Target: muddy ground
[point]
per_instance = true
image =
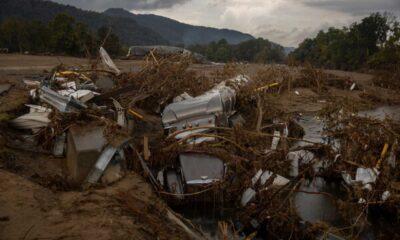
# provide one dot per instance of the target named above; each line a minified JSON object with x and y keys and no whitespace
{"x":34,"y":206}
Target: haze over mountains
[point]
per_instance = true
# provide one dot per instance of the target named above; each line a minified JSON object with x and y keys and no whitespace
{"x":132,"y":29}
{"x":177,"y":33}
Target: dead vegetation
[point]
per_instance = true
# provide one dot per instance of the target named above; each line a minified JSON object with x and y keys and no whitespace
{"x":159,"y":81}
{"x":245,"y":149}
{"x":367,"y":151}
{"x":388,"y":79}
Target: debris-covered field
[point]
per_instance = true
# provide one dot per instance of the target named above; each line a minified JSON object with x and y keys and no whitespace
{"x":107,"y":149}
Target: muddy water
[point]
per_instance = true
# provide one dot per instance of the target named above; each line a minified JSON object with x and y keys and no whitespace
{"x":313,"y":125}
{"x":315,"y":208}
{"x":382,"y":112}
{"x":322,"y":208}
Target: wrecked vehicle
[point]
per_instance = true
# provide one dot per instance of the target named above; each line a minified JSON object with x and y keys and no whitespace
{"x":199,"y":115}
{"x":196,"y":172}
{"x":214,"y":108}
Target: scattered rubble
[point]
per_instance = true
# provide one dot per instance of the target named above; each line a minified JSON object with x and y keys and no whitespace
{"x":218,"y":138}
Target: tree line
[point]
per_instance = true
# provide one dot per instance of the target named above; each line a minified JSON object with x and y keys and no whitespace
{"x":372,"y":43}
{"x":254,"y":50}
{"x":62,"y":35}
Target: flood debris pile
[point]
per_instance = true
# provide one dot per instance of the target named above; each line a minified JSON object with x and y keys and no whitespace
{"x":366,"y":151}
{"x":364,"y":141}
{"x":64,"y":120}
{"x":388,"y":79}
{"x":320,"y":81}
{"x":237,"y":154}
{"x":216,"y":138}
{"x":161,"y":80}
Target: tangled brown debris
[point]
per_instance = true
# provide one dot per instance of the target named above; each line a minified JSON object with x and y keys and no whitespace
{"x":364,"y":143}
{"x":388,"y":79}
{"x":250,"y":150}
{"x":159,"y":81}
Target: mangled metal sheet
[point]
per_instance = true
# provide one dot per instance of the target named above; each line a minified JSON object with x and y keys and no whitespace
{"x":121,"y":118}
{"x":107,"y":61}
{"x":275,"y":140}
{"x":256,"y":177}
{"x":248,"y":195}
{"x":205,"y":110}
{"x":84,"y":95}
{"x":364,"y":176}
{"x":214,"y":108}
{"x":278,"y":180}
{"x":37,"y":108}
{"x":106,"y":163}
{"x":31,"y":83}
{"x":85,"y":144}
{"x":32,"y":120}
{"x":199,"y":168}
{"x":101,"y":164}
{"x":262,"y":177}
{"x":61,"y":103}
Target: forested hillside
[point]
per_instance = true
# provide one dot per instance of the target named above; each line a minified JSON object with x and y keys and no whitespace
{"x":372,"y":43}
{"x":44,"y":11}
{"x":130,"y":28}
{"x":254,"y":50}
{"x":61,"y":35}
{"x":180,"y":33}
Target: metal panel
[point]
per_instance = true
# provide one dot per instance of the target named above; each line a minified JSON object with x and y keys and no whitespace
{"x":61,"y":103}
{"x":85,"y":145}
{"x":199,"y":168}
{"x":219,"y":101}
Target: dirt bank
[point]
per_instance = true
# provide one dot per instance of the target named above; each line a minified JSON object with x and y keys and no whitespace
{"x":126,"y":210}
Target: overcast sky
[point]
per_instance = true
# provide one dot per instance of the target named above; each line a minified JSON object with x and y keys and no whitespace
{"x":287,"y":22}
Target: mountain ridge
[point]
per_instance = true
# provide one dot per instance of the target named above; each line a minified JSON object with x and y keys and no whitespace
{"x":128,"y":31}
{"x":132,"y":29}
{"x":181,"y":33}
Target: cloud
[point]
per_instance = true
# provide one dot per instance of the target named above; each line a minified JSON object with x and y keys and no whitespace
{"x":286,"y":22}
{"x":101,"y":5}
{"x":289,"y":37}
{"x":356,"y":7}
